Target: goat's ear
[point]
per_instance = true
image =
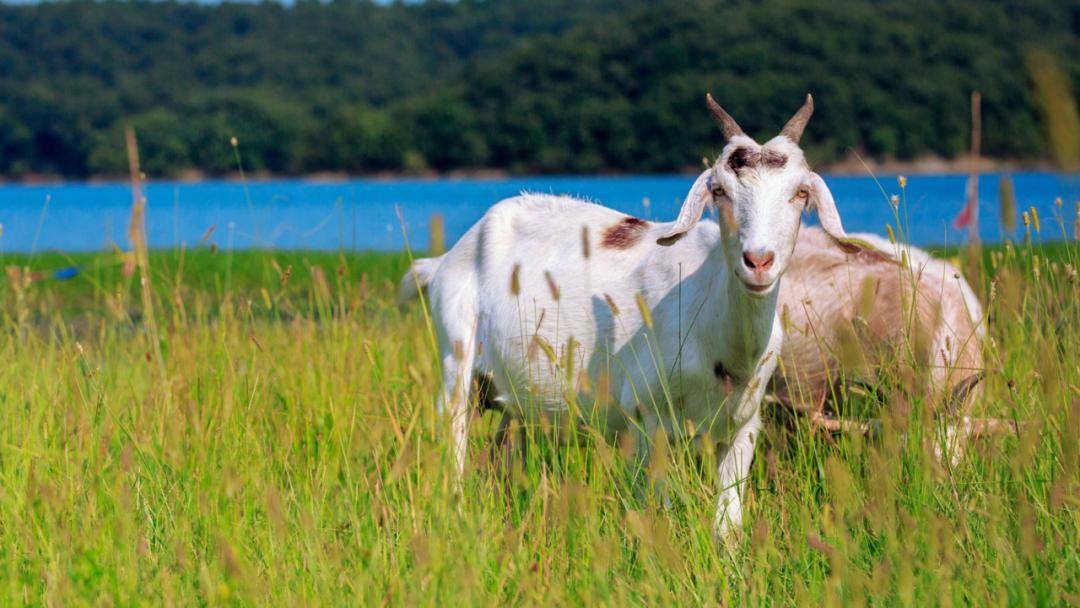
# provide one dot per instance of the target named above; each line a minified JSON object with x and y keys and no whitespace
{"x":692,"y":208}
{"x":821,"y":198}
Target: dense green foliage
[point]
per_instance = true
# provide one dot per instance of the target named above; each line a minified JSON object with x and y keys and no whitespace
{"x":523,"y":85}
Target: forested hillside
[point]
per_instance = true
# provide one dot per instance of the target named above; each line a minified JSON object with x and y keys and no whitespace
{"x":538,"y":85}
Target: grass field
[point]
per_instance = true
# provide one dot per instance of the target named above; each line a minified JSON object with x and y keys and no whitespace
{"x":266,"y":435}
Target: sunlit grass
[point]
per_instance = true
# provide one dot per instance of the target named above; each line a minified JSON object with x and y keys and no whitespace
{"x":288,"y":452}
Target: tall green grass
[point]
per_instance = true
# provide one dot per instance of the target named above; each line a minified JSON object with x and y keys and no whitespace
{"x":287,"y":452}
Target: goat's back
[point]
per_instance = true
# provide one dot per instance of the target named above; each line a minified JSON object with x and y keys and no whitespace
{"x":539,"y":274}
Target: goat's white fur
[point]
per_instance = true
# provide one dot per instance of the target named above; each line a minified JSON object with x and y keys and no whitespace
{"x":709,"y":310}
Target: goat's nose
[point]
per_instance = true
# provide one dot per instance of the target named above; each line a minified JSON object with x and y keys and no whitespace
{"x":759,"y":260}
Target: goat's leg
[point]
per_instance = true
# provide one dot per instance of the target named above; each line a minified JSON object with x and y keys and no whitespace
{"x":645,"y":433}
{"x":733,"y":470}
{"x":501,"y":432}
{"x":502,"y":448}
{"x":642,"y":428}
{"x":957,"y":429}
{"x":454,"y":398}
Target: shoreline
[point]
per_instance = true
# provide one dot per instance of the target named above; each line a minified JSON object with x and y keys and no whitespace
{"x":852,"y":166}
{"x":55,"y":259}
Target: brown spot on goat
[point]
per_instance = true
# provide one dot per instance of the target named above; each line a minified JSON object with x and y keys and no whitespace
{"x":745,"y":157}
{"x":625,"y":234}
{"x":773,"y":159}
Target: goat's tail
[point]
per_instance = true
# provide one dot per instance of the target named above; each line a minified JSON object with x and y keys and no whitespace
{"x":417,"y":278}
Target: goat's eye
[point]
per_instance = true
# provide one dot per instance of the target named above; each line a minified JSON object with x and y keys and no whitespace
{"x":717,"y":192}
{"x":801,"y":195}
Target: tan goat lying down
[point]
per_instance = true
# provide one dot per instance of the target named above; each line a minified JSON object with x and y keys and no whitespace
{"x":853,"y":311}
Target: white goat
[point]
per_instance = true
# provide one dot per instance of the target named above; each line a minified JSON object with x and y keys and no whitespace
{"x":868,"y":308}
{"x":673,"y":325}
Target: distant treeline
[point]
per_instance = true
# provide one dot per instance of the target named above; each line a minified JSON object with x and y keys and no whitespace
{"x":521,"y":85}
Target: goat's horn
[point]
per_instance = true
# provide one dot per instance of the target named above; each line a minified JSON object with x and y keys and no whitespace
{"x":724,"y":120}
{"x":794,"y":127}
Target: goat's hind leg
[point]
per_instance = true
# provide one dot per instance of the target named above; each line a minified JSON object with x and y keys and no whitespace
{"x":955,"y":430}
{"x":457,"y":371}
{"x":510,"y":430}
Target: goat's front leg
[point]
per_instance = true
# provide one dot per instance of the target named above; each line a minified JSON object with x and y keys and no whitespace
{"x":733,"y":471}
{"x":644,"y":433}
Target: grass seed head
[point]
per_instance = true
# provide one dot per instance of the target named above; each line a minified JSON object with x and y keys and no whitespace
{"x":515,"y":281}
{"x":643,"y":308}
{"x":611,"y":304}
{"x":546,"y":347}
{"x":552,"y":287}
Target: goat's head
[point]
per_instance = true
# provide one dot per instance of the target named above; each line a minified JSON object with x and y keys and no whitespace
{"x":759,"y":191}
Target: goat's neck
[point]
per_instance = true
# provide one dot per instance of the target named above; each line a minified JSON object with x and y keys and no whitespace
{"x":759,"y":314}
{"x":742,"y":324}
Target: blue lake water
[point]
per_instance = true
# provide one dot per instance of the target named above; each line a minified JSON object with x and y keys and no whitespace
{"x":364,"y":214}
